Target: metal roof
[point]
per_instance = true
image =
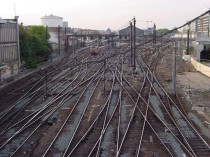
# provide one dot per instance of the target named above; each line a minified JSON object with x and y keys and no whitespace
{"x":4,"y":21}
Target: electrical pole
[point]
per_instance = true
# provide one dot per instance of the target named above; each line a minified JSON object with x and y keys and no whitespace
{"x":59,"y":40}
{"x":174,"y":69}
{"x":112,"y":42}
{"x":108,"y":43}
{"x":188,"y":41}
{"x":46,"y":38}
{"x":154,"y":35}
{"x":74,"y":45}
{"x":46,"y":34}
{"x":208,"y":31}
{"x":131,"y":39}
{"x":67,"y":43}
{"x":104,"y":76}
{"x":65,"y":40}
{"x":134,"y":38}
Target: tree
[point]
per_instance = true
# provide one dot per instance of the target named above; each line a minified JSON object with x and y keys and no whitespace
{"x":39,"y":43}
{"x":162,"y":31}
{"x":34,"y":46}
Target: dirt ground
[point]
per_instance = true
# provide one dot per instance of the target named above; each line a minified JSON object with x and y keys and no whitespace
{"x":195,"y":89}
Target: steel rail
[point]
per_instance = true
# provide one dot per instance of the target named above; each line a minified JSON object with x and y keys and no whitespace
{"x":179,"y":110}
{"x":50,"y":113}
{"x":185,"y":140}
{"x":171,"y":117}
{"x":86,"y":133}
{"x":41,"y":110}
{"x":156,"y":116}
{"x":104,"y":124}
{"x":88,"y":102}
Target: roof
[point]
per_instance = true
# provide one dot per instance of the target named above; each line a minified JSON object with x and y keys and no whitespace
{"x":51,"y":16}
{"x":4,"y":21}
{"x":127,"y":29}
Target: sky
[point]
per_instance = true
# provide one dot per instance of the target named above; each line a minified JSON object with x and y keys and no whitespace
{"x":103,"y":14}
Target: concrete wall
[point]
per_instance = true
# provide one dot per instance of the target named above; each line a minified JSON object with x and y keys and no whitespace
{"x":200,"y":67}
{"x":198,"y":49}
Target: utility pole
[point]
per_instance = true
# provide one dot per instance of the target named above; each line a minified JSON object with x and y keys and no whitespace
{"x":134,"y":49}
{"x":46,"y":38}
{"x":59,"y":40}
{"x":67,"y":43}
{"x":131,"y":36}
{"x":65,"y":40}
{"x":104,"y":76}
{"x":188,"y":41}
{"x":74,"y":45}
{"x":208,"y":31}
{"x":46,"y":34}
{"x":112,"y":42}
{"x":154,"y":35}
{"x":174,"y":69}
{"x":108,"y":43}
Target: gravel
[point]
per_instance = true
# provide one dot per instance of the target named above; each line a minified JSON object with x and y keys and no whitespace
{"x":66,"y":136}
{"x":22,"y":103}
{"x":183,"y":125}
{"x":14,"y":144}
{"x":158,"y":89}
{"x":107,"y":141}
{"x":125,"y":115}
{"x":156,"y":106}
{"x":199,"y":123}
{"x":168,"y":139}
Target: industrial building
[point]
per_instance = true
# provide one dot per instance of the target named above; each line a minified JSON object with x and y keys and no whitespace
{"x":57,"y":29}
{"x":125,"y":33}
{"x":52,"y":21}
{"x":9,"y":48}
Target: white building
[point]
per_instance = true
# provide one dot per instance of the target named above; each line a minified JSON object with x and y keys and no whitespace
{"x":52,"y":21}
{"x":56,"y":30}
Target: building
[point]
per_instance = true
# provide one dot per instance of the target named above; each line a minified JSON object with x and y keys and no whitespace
{"x":56,"y":28}
{"x":52,"y":21}
{"x":148,"y":31}
{"x":125,"y":33}
{"x":203,"y":24}
{"x":9,"y":48}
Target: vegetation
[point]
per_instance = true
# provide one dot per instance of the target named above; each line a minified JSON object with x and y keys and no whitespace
{"x":163,"y":30}
{"x":34,"y":47}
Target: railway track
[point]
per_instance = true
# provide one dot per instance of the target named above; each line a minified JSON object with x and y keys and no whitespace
{"x":98,"y":106}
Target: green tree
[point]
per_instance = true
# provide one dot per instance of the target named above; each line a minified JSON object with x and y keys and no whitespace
{"x":163,"y":30}
{"x":34,"y":47}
